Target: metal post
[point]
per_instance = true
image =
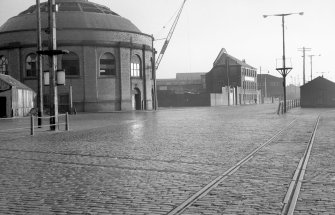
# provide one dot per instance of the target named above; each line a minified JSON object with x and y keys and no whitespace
{"x":153,"y":67}
{"x":53,"y":67}
{"x":70,"y":100}
{"x":266,"y":94}
{"x":32,"y":125}
{"x":260,"y":72}
{"x":284,"y":64}
{"x":67,"y":126}
{"x":304,"y":52}
{"x":39,"y":67}
{"x":227,"y":68}
{"x":311,"y":67}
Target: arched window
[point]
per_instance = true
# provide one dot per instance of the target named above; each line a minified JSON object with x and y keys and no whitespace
{"x":107,"y":64}
{"x":31,"y":65}
{"x":135,"y":67}
{"x":70,"y":63}
{"x":3,"y":65}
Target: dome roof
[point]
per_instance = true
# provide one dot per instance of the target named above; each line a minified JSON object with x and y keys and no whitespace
{"x":72,"y":14}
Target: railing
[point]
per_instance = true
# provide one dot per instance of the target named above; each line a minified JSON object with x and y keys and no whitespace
{"x":24,"y":124}
{"x":32,"y":123}
{"x":289,"y":105}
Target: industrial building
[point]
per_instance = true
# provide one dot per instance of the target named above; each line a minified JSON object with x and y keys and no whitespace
{"x":187,"y":89}
{"x":110,"y":61}
{"x":320,"y":92}
{"x":236,"y":75}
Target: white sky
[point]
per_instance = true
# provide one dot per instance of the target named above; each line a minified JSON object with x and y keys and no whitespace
{"x":237,"y":25}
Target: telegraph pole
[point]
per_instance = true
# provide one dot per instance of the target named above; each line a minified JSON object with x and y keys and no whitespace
{"x":227,"y":68}
{"x":311,"y":56}
{"x":53,"y":66}
{"x":260,"y":78}
{"x":39,"y":66}
{"x":303,"y":49}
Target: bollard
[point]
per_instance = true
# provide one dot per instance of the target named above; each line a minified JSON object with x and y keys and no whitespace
{"x":31,"y":125}
{"x":278,"y":110}
{"x":67,"y":126}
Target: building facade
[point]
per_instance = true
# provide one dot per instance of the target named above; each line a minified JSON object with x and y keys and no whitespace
{"x":319,"y":92}
{"x":238,"y":75}
{"x":187,"y":89}
{"x":270,"y":86}
{"x":16,"y":99}
{"x":110,"y":61}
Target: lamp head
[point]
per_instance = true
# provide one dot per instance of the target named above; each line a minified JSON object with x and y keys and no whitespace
{"x":301,"y":13}
{"x":264,"y":16}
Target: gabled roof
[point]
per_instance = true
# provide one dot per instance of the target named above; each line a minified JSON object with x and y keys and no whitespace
{"x":13,"y":82}
{"x":221,"y":60}
{"x":320,"y":82}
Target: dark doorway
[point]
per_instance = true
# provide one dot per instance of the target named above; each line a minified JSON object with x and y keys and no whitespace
{"x":3,"y":107}
{"x":138,"y":102}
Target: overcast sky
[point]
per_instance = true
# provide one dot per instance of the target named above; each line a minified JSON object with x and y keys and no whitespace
{"x":236,"y":25}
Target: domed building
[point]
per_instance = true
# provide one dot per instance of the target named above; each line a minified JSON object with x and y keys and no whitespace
{"x":109,"y":64}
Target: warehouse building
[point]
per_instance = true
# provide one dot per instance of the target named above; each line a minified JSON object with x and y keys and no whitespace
{"x":235,"y":76}
{"x":319,"y":92}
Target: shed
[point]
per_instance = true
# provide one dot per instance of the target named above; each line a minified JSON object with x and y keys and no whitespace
{"x":16,"y":99}
{"x":319,"y":92}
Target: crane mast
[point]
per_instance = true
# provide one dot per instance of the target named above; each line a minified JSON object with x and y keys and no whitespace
{"x":168,"y":38}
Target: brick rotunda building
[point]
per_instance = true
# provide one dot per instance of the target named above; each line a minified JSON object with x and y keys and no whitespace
{"x":109,"y":65}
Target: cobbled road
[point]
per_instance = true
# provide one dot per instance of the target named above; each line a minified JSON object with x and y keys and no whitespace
{"x":150,"y":162}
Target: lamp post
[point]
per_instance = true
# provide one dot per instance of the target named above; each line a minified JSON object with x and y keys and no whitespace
{"x":54,"y":77}
{"x":39,"y":66}
{"x":284,"y":70}
{"x":311,"y":57}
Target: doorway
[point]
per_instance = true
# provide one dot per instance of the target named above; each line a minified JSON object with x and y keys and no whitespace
{"x":137,"y":98}
{"x":3,"y":107}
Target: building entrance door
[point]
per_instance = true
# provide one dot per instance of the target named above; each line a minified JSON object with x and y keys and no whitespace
{"x":3,"y":107}
{"x":138,"y":102}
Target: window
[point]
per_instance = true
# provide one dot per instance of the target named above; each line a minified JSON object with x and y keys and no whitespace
{"x":3,"y":65}
{"x":69,"y":6}
{"x":31,"y":65}
{"x":70,"y":63}
{"x":135,"y":67}
{"x":107,"y":64}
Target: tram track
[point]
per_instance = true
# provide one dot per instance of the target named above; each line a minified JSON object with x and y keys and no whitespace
{"x":210,"y":186}
{"x":292,"y":194}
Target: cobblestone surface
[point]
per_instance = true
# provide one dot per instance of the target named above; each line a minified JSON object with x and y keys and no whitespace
{"x":318,"y":188}
{"x":259,"y":186}
{"x":149,"y":162}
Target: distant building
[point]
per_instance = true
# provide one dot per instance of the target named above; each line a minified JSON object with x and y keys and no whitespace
{"x":187,"y":89}
{"x":292,"y":92}
{"x":109,"y":65}
{"x":16,"y":99}
{"x":183,"y":83}
{"x":237,"y":74}
{"x":270,"y":86}
{"x":319,"y":92}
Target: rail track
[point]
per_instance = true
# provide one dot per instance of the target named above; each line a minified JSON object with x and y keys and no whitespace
{"x":293,"y":190}
{"x":292,"y":194}
{"x":206,"y":189}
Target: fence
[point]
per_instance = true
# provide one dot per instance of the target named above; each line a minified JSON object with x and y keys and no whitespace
{"x":30,"y":124}
{"x":289,"y":105}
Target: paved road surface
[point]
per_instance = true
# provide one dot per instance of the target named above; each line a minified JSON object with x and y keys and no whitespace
{"x":150,"y":162}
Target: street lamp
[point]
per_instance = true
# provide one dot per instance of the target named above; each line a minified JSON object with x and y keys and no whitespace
{"x":311,"y":56}
{"x":284,"y":70}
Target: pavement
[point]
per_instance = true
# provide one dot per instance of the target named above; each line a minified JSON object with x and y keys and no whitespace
{"x":150,"y":162}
